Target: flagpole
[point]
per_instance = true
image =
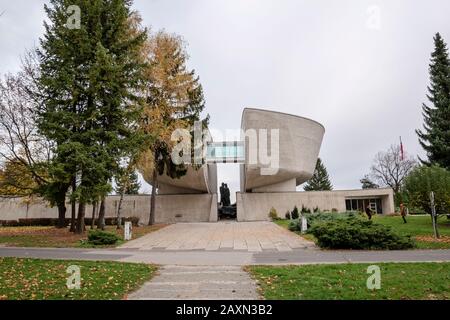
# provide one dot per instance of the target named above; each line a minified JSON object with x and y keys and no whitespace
{"x":401,"y":149}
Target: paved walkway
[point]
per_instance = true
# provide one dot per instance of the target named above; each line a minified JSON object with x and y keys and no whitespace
{"x":230,"y":258}
{"x":198,"y":283}
{"x":240,"y":236}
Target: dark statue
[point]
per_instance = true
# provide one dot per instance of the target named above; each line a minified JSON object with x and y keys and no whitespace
{"x":224,"y":195}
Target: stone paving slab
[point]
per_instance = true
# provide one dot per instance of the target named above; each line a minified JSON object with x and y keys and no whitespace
{"x":243,"y":236}
{"x":198,"y":283}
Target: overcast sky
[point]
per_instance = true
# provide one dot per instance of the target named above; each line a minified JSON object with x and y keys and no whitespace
{"x":358,"y":67}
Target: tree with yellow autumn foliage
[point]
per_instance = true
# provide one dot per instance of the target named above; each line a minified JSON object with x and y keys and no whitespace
{"x":173,"y":100}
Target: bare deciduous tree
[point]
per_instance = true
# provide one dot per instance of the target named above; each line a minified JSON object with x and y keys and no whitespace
{"x":20,"y":141}
{"x":390,"y":169}
{"x":22,"y":147}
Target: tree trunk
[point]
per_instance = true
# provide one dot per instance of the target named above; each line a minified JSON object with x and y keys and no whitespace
{"x":101,"y":215}
{"x":435,"y":228}
{"x":74,"y":208}
{"x":61,"y":214}
{"x":80,"y":220}
{"x":151,"y":219}
{"x":436,"y":224}
{"x":94,"y":208}
{"x":119,"y":212}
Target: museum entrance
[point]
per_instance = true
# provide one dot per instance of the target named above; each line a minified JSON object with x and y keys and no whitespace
{"x":225,"y":209}
{"x":227,"y":155}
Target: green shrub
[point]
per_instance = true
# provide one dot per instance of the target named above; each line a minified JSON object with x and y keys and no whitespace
{"x":424,"y":179}
{"x":99,"y":237}
{"x":294,"y":213}
{"x":288,"y":215}
{"x":313,"y":218}
{"x":294,"y":225}
{"x":305,"y":209}
{"x":273,"y":214}
{"x":355,"y":233}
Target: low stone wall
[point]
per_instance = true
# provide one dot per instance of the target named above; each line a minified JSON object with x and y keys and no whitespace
{"x":186,"y":208}
{"x":256,"y":206}
{"x":169,"y":208}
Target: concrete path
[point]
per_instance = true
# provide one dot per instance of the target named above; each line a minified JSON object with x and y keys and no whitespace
{"x":230,"y":258}
{"x":230,"y":235}
{"x":198,"y":283}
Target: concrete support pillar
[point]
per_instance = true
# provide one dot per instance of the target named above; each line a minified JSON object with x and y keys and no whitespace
{"x":213,"y":214}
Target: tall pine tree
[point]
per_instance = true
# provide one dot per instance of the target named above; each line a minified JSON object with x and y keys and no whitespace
{"x":435,"y":137}
{"x":89,"y":77}
{"x":320,"y":180}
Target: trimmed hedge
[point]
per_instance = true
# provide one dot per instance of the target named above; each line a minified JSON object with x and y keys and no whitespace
{"x":44,"y":222}
{"x":99,"y":237}
{"x":317,"y":217}
{"x":355,"y":233}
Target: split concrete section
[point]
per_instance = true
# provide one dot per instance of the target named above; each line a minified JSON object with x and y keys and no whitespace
{"x":223,"y":236}
{"x":198,"y":283}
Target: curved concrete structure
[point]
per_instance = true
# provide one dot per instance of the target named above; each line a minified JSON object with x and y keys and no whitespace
{"x":196,"y":180}
{"x":298,"y":148}
{"x":202,"y":180}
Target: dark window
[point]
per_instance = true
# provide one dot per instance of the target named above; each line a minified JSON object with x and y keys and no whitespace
{"x":379,"y":207}
{"x":361,"y":205}
{"x":354,"y":204}
{"x":348,"y":205}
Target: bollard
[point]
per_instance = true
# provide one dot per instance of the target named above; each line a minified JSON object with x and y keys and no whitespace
{"x":127,"y":231}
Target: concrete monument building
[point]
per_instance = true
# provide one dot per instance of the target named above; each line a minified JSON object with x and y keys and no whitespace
{"x":277,"y":152}
{"x":299,"y":145}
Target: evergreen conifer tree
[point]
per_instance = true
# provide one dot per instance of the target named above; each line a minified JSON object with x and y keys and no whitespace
{"x":435,"y":137}
{"x":89,"y":77}
{"x":320,"y":180}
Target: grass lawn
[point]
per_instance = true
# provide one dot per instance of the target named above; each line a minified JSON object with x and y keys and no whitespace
{"x":30,"y":279}
{"x":420,"y":227}
{"x":51,"y":237}
{"x":348,"y":281}
{"x":285,"y":224}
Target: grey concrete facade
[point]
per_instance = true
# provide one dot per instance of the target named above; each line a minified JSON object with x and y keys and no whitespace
{"x":169,"y":208}
{"x":296,"y":147}
{"x":196,"y":181}
{"x":203,"y":207}
{"x":256,"y":206}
